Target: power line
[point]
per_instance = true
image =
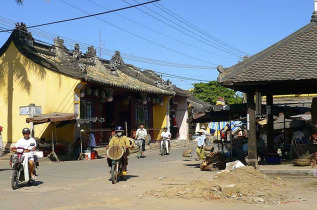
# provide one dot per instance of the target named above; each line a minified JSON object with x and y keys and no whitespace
{"x":108,"y":52}
{"x":185,"y":30}
{"x":178,"y":76}
{"x":168,"y":11}
{"x":163,"y":34}
{"x":90,"y":15}
{"x":143,"y":38}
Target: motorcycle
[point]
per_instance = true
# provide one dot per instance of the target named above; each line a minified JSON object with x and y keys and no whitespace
{"x":115,"y":154}
{"x":139,"y":143}
{"x":165,"y":147}
{"x":20,"y":167}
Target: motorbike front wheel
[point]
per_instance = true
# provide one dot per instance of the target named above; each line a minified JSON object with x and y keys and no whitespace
{"x":114,"y":174}
{"x":14,"y":179}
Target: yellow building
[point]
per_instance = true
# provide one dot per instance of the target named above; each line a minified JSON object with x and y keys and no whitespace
{"x":67,"y":81}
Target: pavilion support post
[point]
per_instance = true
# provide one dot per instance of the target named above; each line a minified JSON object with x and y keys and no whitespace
{"x":270,"y":125}
{"x":251,"y":128}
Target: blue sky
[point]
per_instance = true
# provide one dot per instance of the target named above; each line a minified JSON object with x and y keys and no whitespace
{"x":248,"y":25}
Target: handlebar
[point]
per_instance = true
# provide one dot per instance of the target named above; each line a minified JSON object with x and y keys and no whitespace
{"x":20,"y":150}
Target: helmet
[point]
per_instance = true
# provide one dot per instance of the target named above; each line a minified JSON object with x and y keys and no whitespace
{"x":25,"y":131}
{"x":119,"y":128}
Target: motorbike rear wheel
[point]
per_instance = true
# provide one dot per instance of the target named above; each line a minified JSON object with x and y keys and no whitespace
{"x":14,"y":180}
{"x":114,"y":174}
{"x":163,"y":149}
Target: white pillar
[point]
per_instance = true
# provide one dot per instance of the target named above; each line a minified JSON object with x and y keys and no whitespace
{"x":32,"y":112}
{"x":315,"y":5}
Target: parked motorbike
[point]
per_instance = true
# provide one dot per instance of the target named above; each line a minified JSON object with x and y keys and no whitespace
{"x":20,"y":167}
{"x":115,"y":153}
{"x":165,"y":147}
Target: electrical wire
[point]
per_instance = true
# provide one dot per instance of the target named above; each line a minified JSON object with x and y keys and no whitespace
{"x":163,"y":34}
{"x":143,"y":38}
{"x":90,"y":15}
{"x":171,"y":13}
{"x":70,"y":42}
{"x":185,"y":30}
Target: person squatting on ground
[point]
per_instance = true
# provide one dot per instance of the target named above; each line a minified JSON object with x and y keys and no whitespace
{"x":122,"y":141}
{"x":200,"y":144}
{"x":25,"y":143}
{"x":167,"y":136}
{"x":141,"y":134}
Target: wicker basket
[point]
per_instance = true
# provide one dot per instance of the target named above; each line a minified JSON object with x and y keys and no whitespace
{"x":302,"y":162}
{"x":115,"y":152}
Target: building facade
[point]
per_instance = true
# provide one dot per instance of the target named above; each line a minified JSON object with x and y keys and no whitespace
{"x":57,"y":79}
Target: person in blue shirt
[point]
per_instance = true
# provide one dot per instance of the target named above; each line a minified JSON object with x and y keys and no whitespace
{"x":200,"y":144}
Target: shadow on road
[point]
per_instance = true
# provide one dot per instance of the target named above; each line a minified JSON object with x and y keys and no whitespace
{"x":6,"y":169}
{"x":193,"y":165}
{"x":25,"y":184}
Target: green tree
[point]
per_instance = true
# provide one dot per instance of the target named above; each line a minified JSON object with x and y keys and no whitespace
{"x":209,"y":92}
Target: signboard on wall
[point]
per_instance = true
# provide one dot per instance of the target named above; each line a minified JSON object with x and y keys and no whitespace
{"x":25,"y":110}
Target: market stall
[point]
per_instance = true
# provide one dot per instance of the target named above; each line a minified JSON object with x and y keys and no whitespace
{"x":53,"y":118}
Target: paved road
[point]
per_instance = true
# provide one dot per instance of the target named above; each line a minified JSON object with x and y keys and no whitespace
{"x":86,"y":185}
{"x":68,"y":184}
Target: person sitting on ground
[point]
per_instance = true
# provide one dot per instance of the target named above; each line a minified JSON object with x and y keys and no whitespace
{"x":166,"y":135}
{"x":25,"y":143}
{"x":140,"y":135}
{"x":122,"y":141}
{"x":200,"y":144}
{"x":298,"y":137}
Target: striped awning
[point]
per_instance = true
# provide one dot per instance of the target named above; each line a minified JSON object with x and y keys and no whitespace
{"x":235,"y":125}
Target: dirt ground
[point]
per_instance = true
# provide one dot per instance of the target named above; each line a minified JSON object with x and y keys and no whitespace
{"x":86,"y":185}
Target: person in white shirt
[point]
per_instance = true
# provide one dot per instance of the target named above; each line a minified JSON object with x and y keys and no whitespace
{"x":140,"y":135}
{"x":166,"y":135}
{"x":92,"y":141}
{"x":25,"y":143}
{"x":200,"y":144}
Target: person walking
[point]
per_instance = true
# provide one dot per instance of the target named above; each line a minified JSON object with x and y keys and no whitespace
{"x":141,"y":134}
{"x":200,"y":150}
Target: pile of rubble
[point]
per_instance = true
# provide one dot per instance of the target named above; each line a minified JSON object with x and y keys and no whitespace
{"x":244,"y":184}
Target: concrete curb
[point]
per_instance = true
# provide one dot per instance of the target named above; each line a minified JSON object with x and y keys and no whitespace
{"x":288,"y":172}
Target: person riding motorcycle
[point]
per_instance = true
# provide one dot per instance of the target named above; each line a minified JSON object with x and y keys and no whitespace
{"x":120,"y":140}
{"x":141,"y":134}
{"x":167,"y":136}
{"x":25,"y":143}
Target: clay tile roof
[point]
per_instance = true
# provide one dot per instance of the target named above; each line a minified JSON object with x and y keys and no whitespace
{"x":88,"y":66}
{"x":293,"y":58}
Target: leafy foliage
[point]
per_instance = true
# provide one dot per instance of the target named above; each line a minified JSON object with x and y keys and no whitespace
{"x":209,"y":92}
{"x":19,"y":1}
